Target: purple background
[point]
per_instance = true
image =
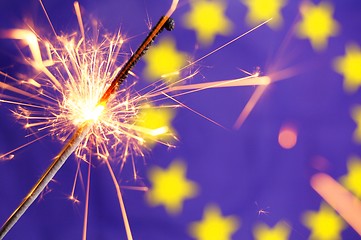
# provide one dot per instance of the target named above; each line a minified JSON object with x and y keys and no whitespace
{"x":234,"y":169}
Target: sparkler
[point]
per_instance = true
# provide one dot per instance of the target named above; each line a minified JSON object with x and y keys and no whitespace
{"x":83,"y":130}
{"x":81,"y":72}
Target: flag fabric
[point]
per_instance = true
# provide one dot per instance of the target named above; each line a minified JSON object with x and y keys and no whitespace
{"x":242,"y":167}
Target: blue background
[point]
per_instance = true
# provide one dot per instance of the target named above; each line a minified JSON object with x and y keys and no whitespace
{"x":241,"y":170}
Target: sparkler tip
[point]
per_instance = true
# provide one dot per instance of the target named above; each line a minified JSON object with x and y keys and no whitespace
{"x":96,"y":113}
{"x":170,"y":24}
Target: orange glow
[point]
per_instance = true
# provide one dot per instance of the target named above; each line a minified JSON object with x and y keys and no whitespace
{"x":257,"y":94}
{"x":73,"y":199}
{"x":320,"y":163}
{"x":346,"y":204}
{"x":287,"y":136}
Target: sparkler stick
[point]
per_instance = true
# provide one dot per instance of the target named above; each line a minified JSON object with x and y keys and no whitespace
{"x":164,"y":22}
{"x":46,"y":177}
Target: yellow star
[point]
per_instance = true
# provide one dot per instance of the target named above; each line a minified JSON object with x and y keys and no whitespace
{"x":317,"y":24}
{"x":214,"y":226}
{"x":325,"y":224}
{"x":356,"y":115}
{"x":349,"y":67}
{"x":207,"y":18}
{"x":154,"y":123}
{"x":279,"y":232}
{"x":262,"y":10}
{"x":164,"y":60}
{"x":352,"y":180}
{"x":170,"y":187}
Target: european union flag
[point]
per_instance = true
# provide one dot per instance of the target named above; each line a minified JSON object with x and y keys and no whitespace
{"x":250,"y":120}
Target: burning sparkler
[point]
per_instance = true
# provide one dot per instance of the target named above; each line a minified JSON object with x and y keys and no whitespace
{"x":89,"y":117}
{"x":77,"y":87}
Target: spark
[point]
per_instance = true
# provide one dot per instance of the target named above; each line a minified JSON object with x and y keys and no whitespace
{"x":86,"y":211}
{"x":262,"y":211}
{"x":72,"y":93}
{"x":338,"y":197}
{"x":287,"y":137}
{"x":251,"y":103}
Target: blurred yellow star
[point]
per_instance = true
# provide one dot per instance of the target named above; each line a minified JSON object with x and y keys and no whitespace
{"x":325,"y":224}
{"x":208,"y":19}
{"x":317,"y":24}
{"x":170,"y":187}
{"x":214,"y":226}
{"x":279,"y":232}
{"x":164,"y":60}
{"x":349,"y":67}
{"x":262,"y":10}
{"x":155,"y":124}
{"x":352,"y":181}
{"x":356,"y":115}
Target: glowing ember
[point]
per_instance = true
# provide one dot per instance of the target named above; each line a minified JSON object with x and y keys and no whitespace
{"x":287,"y":137}
{"x":347,"y":205}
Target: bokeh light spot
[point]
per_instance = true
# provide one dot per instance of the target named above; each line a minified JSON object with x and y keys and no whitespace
{"x":287,"y":137}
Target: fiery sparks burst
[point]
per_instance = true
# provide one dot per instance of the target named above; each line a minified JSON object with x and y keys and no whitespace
{"x":64,"y":97}
{"x":72,"y":73}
